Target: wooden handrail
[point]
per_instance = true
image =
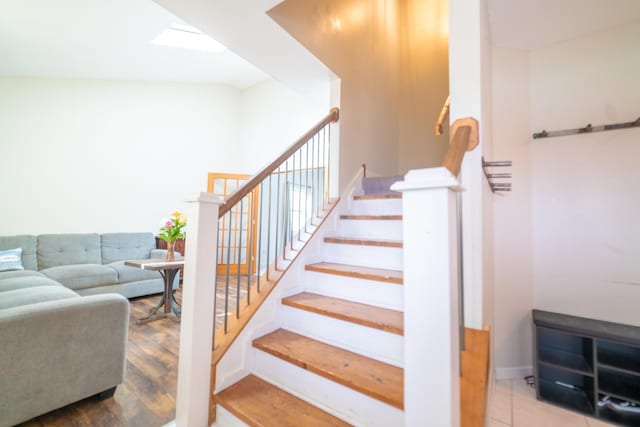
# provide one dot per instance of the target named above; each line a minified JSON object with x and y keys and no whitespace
{"x":438,"y":129}
{"x":464,"y":137}
{"x":255,"y":180}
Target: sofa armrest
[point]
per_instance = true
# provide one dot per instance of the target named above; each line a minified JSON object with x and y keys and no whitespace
{"x":57,"y":352}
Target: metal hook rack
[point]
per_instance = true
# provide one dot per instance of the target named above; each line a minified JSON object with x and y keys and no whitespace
{"x":497,"y":186}
{"x":587,"y":129}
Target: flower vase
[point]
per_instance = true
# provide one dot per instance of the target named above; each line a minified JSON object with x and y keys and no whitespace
{"x":170,"y":251}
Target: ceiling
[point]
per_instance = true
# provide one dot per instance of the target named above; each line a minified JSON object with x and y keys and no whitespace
{"x":108,"y":40}
{"x":111,"y":40}
{"x":531,"y":24}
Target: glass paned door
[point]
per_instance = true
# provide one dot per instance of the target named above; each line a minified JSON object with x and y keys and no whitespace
{"x":236,"y":232}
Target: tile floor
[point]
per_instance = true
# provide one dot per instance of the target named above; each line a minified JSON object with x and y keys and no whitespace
{"x":514,"y":404}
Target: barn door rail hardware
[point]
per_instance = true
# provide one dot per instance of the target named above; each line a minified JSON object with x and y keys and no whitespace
{"x":497,"y":186}
{"x":587,"y":129}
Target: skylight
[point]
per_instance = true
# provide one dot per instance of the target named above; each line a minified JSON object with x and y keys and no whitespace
{"x":187,"y":37}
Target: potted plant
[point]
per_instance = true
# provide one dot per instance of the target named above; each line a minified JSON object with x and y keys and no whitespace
{"x":172,"y":230}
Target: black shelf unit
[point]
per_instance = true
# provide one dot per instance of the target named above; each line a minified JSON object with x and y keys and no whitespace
{"x":589,"y":366}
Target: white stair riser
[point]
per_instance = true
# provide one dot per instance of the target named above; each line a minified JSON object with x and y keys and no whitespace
{"x":367,"y":228}
{"x":376,"y":207}
{"x":369,"y":342}
{"x":381,"y":294}
{"x":225,"y":418}
{"x":367,"y":256}
{"x":341,"y":401}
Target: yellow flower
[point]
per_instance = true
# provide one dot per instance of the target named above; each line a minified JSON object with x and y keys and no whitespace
{"x":176,"y":214}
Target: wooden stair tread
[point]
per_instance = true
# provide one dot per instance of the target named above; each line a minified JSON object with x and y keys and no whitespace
{"x":369,"y":273}
{"x":371,"y":316}
{"x":261,"y":404}
{"x":378,"y":196}
{"x":373,"y":217}
{"x":376,"y":379}
{"x":364,"y":242}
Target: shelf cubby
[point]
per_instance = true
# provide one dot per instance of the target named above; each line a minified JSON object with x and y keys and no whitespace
{"x":589,"y":366}
{"x":619,"y":384}
{"x":620,"y":356}
{"x":565,"y":350}
{"x":566,"y":388}
{"x":617,"y":415}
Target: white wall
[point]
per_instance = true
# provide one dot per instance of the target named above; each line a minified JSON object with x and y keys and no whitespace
{"x":272,"y":117}
{"x":586,"y":188}
{"x":513,"y":299}
{"x":99,"y":156}
{"x":486,"y":135}
{"x":102,"y":156}
{"x":391,"y":58}
{"x":469,"y":80}
{"x":566,"y":237}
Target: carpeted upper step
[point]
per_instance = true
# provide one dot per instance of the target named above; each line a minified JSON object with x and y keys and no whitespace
{"x":380,"y":185}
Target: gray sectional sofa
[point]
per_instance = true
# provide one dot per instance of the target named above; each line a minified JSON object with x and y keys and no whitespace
{"x":64,"y":318}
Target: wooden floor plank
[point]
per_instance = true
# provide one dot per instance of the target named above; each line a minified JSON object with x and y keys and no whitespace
{"x":359,"y":272}
{"x":378,"y":380}
{"x":260,"y":404}
{"x":364,"y":242}
{"x":362,"y":314}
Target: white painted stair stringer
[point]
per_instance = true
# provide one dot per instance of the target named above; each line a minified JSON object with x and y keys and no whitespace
{"x":336,"y":399}
{"x":369,"y":342}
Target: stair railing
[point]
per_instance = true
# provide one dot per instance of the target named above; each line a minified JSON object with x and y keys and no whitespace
{"x":286,"y":196}
{"x":237,"y":250}
{"x":438,"y":128}
{"x":465,"y":138}
{"x":262,"y":225}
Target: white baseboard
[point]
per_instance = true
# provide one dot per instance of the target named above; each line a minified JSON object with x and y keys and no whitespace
{"x":513,"y":372}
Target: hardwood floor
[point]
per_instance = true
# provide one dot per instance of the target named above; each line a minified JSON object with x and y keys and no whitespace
{"x":147,"y":396}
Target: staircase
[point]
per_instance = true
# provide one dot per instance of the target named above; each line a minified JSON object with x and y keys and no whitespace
{"x":337,"y":357}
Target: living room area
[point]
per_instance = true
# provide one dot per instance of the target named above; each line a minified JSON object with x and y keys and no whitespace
{"x":104,"y":135}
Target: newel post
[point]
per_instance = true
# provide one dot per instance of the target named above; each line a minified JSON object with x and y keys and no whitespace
{"x":196,"y":328}
{"x":431,"y":316}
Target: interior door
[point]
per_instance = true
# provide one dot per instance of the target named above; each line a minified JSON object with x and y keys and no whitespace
{"x":238,"y":229}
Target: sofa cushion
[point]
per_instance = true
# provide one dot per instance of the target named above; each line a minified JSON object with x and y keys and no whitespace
{"x":25,"y":282}
{"x":68,"y":249}
{"x":27,"y":244}
{"x":19,"y":273}
{"x":11,"y":259}
{"x":132,"y":274}
{"x":34,"y":295}
{"x":82,"y":276}
{"x":125,"y":246}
